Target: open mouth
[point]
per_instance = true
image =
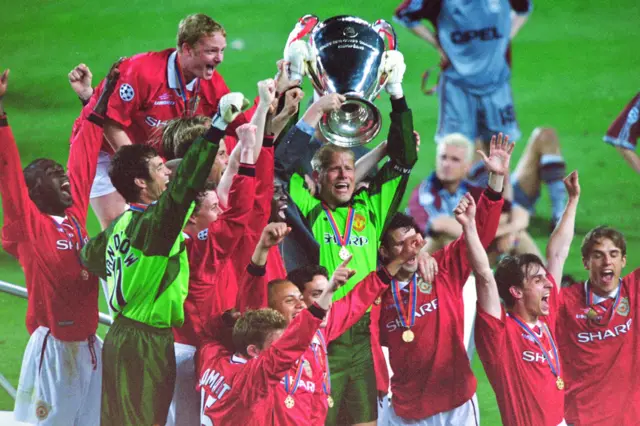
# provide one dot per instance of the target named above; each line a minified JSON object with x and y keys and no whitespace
{"x":66,"y":188}
{"x":545,"y":302}
{"x":210,"y":67}
{"x":281,"y":211}
{"x":341,"y":186}
{"x":607,"y":275}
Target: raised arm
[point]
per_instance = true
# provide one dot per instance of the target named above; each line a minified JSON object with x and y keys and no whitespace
{"x":488,"y":297}
{"x":560,"y":241}
{"x":80,"y":79}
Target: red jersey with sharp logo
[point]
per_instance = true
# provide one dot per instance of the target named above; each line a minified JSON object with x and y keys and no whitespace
{"x":432,"y":374}
{"x":601,"y":356}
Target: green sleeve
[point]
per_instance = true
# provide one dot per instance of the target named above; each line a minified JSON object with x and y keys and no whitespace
{"x":93,"y":256}
{"x":300,"y":194}
{"x":156,"y":232}
{"x":390,"y":183}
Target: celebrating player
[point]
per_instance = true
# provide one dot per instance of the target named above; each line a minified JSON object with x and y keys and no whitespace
{"x":624,"y":132}
{"x":517,"y":343}
{"x":598,"y":335}
{"x":423,"y":321}
{"x":143,"y":258}
{"x":45,"y":212}
{"x":156,"y":87}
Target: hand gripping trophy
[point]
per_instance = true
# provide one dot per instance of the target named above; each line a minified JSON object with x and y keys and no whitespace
{"x":346,"y":55}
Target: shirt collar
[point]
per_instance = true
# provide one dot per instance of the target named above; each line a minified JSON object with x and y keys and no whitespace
{"x":599,"y":299}
{"x":172,"y":77}
{"x":58,"y":219}
{"x":235,"y":359}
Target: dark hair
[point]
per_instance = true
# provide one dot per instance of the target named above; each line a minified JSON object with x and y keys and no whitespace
{"x":596,"y":234}
{"x":304,"y":274}
{"x":253,"y":328}
{"x":129,"y":163}
{"x":398,"y":221}
{"x":208,"y":186}
{"x":34,"y":175}
{"x":512,"y":271}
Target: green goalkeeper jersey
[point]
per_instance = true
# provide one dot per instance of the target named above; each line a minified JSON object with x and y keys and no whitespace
{"x":142,"y":253}
{"x":372,"y":207}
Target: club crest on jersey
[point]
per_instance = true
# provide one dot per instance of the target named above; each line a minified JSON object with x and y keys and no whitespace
{"x":359,"y":222}
{"x":425,"y":287}
{"x":126,"y":92}
{"x":42,"y":410}
{"x":623,"y":307}
{"x":203,"y":235}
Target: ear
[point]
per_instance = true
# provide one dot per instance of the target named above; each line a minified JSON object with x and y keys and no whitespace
{"x":253,"y":351}
{"x":624,"y":261}
{"x":586,"y":265}
{"x":516,"y":292}
{"x":186,"y":48}
{"x":140,"y":183}
{"x":191,"y":220}
{"x":384,"y":253}
{"x":316,"y":176}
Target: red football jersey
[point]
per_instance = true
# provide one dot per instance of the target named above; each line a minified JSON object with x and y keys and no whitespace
{"x":148,"y":96}
{"x":518,"y":371}
{"x":62,"y":295}
{"x":601,"y":361}
{"x":208,"y":250}
{"x":237,"y":391}
{"x":625,"y":129}
{"x":432,"y":374}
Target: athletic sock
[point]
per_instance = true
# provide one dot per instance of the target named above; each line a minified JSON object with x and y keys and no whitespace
{"x":552,"y":172}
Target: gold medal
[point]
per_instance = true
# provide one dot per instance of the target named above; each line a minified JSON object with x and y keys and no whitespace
{"x":289,"y":402}
{"x":344,"y":253}
{"x":378,"y":300}
{"x":408,"y":336}
{"x":592,"y":314}
{"x":330,"y":401}
{"x":84,"y":274}
{"x":560,"y":383}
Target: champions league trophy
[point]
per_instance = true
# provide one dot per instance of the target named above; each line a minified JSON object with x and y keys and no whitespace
{"x":344,"y":55}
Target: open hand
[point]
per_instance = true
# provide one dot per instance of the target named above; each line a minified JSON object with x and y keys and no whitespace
{"x":499,"y":155}
{"x":427,"y":266}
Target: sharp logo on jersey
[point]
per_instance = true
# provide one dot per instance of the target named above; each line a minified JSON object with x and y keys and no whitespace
{"x":420,"y":312}
{"x":484,"y":34}
{"x":126,"y":92}
{"x":215,"y":382}
{"x":354,"y":241}
{"x":531,"y":356}
{"x":154,"y":122}
{"x":359,"y":222}
{"x":307,"y":385}
{"x":610,"y":333}
{"x":68,"y":245}
{"x":203,"y":235}
{"x":623,"y":307}
{"x":118,"y":248}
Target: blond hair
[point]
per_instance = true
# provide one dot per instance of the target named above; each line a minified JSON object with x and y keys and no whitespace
{"x":458,"y":140}
{"x":178,"y":134}
{"x":323,"y":157}
{"x":254,"y":327}
{"x":193,"y":27}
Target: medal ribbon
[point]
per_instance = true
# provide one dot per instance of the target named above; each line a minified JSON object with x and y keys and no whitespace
{"x":297,"y":380}
{"x":343,"y":241}
{"x":407,"y":319}
{"x":326,"y":379}
{"x":555,"y":369}
{"x":611,"y":312}
{"x":184,"y":92}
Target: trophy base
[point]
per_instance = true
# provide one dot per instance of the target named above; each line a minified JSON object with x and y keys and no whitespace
{"x":356,"y":123}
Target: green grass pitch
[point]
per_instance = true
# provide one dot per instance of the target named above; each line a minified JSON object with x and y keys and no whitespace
{"x":575,"y":65}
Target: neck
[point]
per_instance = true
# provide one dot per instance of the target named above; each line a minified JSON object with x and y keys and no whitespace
{"x":602,"y":292}
{"x":404,"y":275}
{"x":522,"y":313}
{"x":451,"y":187}
{"x":145,"y":199}
{"x":188,"y":75}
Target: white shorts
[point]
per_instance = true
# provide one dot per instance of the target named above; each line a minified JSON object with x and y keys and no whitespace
{"x":102,"y":183}
{"x":185,"y":405}
{"x":60,"y":382}
{"x":468,"y":414}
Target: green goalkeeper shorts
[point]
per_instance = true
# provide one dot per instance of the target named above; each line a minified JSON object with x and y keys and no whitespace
{"x":353,"y":379}
{"x":138,"y":374}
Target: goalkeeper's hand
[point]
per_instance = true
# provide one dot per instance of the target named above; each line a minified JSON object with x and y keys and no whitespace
{"x":230,"y":106}
{"x":393,"y":67}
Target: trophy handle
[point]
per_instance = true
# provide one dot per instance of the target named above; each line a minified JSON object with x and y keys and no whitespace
{"x":388,"y":34}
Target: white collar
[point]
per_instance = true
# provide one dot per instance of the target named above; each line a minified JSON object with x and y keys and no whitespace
{"x":599,"y":299}
{"x":235,"y":359}
{"x":58,"y":219}
{"x":172,"y":76}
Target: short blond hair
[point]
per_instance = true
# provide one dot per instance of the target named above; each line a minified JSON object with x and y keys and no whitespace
{"x":179,"y":133}
{"x":254,"y":327}
{"x":323,"y":157}
{"x":458,"y":140}
{"x":193,"y":27}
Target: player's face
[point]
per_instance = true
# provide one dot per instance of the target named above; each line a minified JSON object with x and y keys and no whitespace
{"x":159,"y":173}
{"x":278,"y":203}
{"x":337,"y":183}
{"x":206,"y":55}
{"x":605,"y":263}
{"x":220,"y":164}
{"x":209,"y":210}
{"x":287,"y":300}
{"x":451,"y":163}
{"x":57,"y":188}
{"x":393,"y":247}
{"x":537,"y":290}
{"x":312,"y":292}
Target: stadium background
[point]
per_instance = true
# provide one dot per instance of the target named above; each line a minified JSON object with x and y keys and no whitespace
{"x":574,"y":68}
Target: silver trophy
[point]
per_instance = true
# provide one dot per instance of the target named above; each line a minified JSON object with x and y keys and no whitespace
{"x":345,"y":53}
